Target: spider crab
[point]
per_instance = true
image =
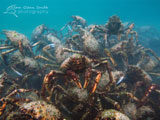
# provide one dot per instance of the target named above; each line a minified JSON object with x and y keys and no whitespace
{"x":17,"y":41}
{"x":115,"y":27}
{"x":111,"y":114}
{"x":70,"y":69}
{"x":52,"y":53}
{"x":86,"y":43}
{"x":20,"y":106}
{"x":38,"y":32}
{"x":78,"y":21}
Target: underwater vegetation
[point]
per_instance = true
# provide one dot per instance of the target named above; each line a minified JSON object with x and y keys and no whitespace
{"x":80,"y":72}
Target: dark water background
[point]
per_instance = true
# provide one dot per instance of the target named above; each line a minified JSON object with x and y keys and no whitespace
{"x":141,"y":12}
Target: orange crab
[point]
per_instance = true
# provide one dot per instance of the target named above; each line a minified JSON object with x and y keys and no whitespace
{"x":70,"y":69}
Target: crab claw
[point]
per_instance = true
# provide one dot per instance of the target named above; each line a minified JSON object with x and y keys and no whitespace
{"x":87,"y":77}
{"x":2,"y":108}
{"x":78,"y":84}
{"x":20,"y":46}
{"x":74,"y":78}
{"x":86,"y":84}
{"x":128,"y":30}
{"x":131,"y":26}
{"x":99,"y":74}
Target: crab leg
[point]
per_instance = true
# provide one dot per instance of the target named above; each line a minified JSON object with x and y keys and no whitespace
{"x":150,"y":89}
{"x":87,"y":77}
{"x":153,"y":53}
{"x":20,"y":91}
{"x":108,"y":53}
{"x":154,"y":74}
{"x":46,"y":82}
{"x":98,"y":77}
{"x":2,"y":108}
{"x":6,"y":52}
{"x":74,"y":77}
{"x":124,"y":57}
{"x":44,"y":58}
{"x":63,"y":27}
{"x":57,"y":87}
{"x":20,"y":46}
{"x":128,"y":30}
{"x":51,"y":65}
{"x":75,"y":44}
{"x":9,"y":51}
{"x":141,"y":59}
{"x":112,"y":81}
{"x":130,"y":95}
{"x":73,"y":51}
{"x":35,"y":44}
{"x":13,"y":102}
{"x":30,"y":49}
{"x":47,"y":53}
{"x":136,"y":34}
{"x":113,"y":102}
{"x":18,"y":73}
{"x":5,"y":47}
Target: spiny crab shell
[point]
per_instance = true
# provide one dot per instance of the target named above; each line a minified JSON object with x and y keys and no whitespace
{"x":90,"y":44}
{"x":40,"y":110}
{"x":71,"y":62}
{"x":30,"y":64}
{"x":114,"y":25}
{"x":112,"y":115}
{"x":135,"y":73}
{"x":114,"y":18}
{"x":38,"y":31}
{"x":80,"y":95}
{"x":59,"y":55}
{"x":105,"y":79}
{"x":16,"y":37}
{"x":119,"y":47}
{"x":51,"y":38}
{"x":149,"y":64}
{"x":80,"y":20}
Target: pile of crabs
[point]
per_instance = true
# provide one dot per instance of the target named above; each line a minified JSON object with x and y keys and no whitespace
{"x":81,"y":72}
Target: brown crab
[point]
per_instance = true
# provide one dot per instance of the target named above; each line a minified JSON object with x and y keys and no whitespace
{"x":41,"y":110}
{"x":127,"y":52}
{"x":70,"y":69}
{"x":115,"y":27}
{"x":13,"y":100}
{"x":14,"y":107}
